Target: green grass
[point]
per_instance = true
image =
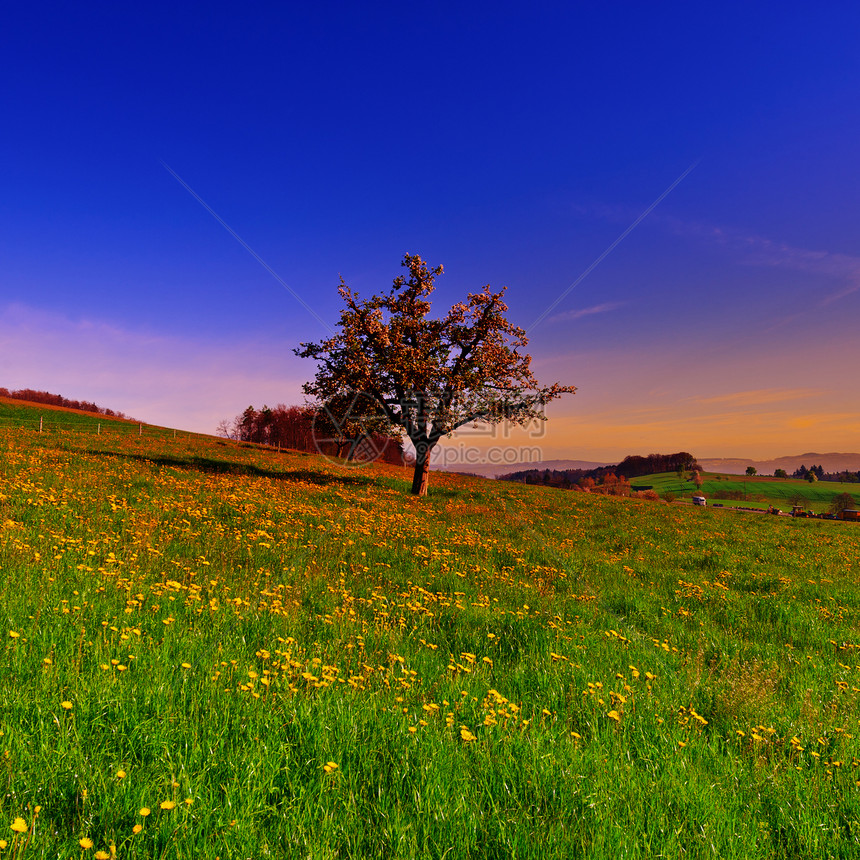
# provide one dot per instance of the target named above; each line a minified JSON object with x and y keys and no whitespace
{"x":496,"y":670}
{"x":760,"y":491}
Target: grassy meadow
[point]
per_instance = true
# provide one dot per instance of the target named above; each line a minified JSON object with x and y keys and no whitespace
{"x":215,"y":651}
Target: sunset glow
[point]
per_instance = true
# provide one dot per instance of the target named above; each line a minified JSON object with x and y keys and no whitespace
{"x":671,"y":201}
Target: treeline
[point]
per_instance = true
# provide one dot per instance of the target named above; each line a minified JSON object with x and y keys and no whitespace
{"x":613,"y":477}
{"x":305,"y":428}
{"x":820,"y":475}
{"x":58,"y":400}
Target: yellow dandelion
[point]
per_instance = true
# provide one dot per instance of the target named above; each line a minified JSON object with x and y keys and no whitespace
{"x":167,"y":804}
{"x":86,"y":843}
{"x":19,"y":825}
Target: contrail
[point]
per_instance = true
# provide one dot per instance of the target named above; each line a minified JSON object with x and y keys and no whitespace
{"x":613,"y":246}
{"x":247,"y":247}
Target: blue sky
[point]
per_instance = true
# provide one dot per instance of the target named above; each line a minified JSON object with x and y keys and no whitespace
{"x":512,"y":144}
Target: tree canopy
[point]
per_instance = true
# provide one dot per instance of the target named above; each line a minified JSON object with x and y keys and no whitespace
{"x":426,"y":376}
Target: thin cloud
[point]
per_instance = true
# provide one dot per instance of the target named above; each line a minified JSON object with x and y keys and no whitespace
{"x":569,"y":316}
{"x":756,"y":250}
{"x":758,"y":396}
{"x":761,"y":251}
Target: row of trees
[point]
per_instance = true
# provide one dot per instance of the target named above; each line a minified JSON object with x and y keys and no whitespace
{"x":306,"y":428}
{"x":636,"y":466}
{"x":49,"y":399}
{"x":815,"y":473}
{"x":630,"y":467}
{"x":844,"y":476}
{"x":803,"y":472}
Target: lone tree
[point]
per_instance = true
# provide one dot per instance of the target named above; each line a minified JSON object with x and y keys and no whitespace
{"x":424,"y":376}
{"x":842,"y":502}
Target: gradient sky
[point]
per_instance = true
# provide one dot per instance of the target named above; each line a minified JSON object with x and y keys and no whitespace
{"x":510,"y":143}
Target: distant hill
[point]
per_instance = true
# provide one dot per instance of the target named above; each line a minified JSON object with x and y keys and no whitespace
{"x":486,"y":470}
{"x":736,"y":466}
{"x":57,"y":401}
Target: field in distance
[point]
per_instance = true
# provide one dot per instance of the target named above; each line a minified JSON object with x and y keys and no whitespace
{"x":755,"y":492}
{"x":214,"y":650}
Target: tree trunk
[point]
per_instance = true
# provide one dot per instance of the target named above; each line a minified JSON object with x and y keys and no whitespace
{"x":422,"y":474}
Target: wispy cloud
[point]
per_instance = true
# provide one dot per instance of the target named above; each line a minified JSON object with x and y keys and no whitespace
{"x":758,"y":397}
{"x":755,"y":250}
{"x":603,"y":308}
{"x":760,"y":251}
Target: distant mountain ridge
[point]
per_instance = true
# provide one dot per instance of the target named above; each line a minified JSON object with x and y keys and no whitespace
{"x":832,"y":462}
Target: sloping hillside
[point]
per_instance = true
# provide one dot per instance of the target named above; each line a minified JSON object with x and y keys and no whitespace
{"x":214,"y":650}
